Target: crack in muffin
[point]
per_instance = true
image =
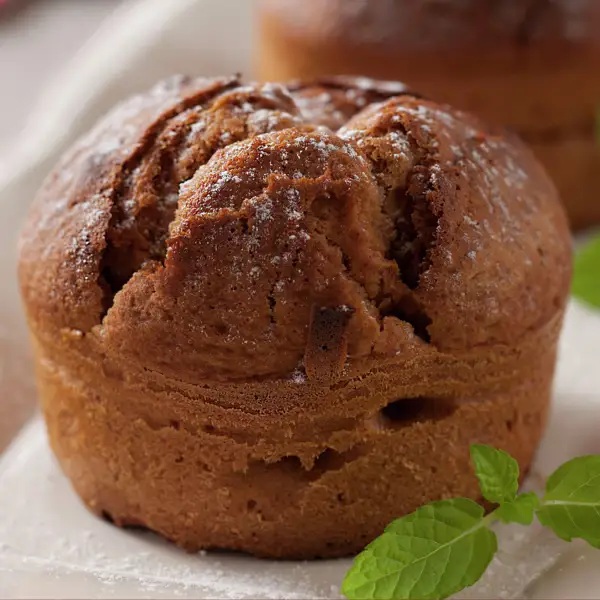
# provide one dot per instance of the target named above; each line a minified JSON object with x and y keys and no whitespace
{"x":258,"y":308}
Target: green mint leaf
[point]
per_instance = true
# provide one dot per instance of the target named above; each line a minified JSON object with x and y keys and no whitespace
{"x":521,"y":510}
{"x":498,"y":473}
{"x":571,"y":505}
{"x":587,"y":273}
{"x":435,"y":552}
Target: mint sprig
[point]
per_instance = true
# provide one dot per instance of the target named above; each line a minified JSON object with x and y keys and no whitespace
{"x":446,"y":546}
{"x":521,"y":510}
{"x":497,"y":472}
{"x":571,"y":505}
{"x":447,"y":540}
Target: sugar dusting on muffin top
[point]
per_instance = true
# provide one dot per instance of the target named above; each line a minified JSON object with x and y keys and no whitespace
{"x":220,"y":216}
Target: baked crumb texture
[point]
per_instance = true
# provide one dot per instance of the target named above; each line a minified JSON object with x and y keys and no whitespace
{"x":272,"y":318}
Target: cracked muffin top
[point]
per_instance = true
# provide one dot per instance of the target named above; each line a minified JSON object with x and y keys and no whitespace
{"x":215,"y":231}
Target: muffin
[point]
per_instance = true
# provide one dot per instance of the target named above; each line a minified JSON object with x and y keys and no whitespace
{"x":527,"y":64}
{"x":272,"y":320}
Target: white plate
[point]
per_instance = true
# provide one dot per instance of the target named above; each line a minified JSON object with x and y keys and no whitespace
{"x":50,"y":546}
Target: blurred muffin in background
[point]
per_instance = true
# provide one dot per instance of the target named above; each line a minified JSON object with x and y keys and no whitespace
{"x":532,"y":65}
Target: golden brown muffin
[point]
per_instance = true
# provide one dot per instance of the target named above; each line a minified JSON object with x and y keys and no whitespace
{"x":256,"y":332}
{"x":531,"y":65}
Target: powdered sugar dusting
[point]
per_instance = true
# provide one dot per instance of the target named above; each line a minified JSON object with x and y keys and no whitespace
{"x":223,"y":180}
{"x":293,"y":205}
{"x":275,"y":91}
{"x":298,"y":377}
{"x":367,"y":84}
{"x":489,"y":161}
{"x":263,"y":210}
{"x":268,"y":120}
{"x":496,"y":172}
{"x":198,"y":127}
{"x":398,"y":144}
{"x":434,"y":174}
{"x":319,"y":108}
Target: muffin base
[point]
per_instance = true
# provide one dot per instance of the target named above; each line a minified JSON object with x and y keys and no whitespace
{"x":298,"y":481}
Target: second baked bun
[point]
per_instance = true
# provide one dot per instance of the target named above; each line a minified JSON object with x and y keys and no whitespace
{"x":273,"y":320}
{"x":530,"y":65}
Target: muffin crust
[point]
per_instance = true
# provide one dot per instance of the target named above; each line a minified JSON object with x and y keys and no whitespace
{"x":272,"y":319}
